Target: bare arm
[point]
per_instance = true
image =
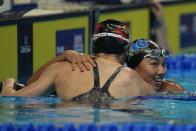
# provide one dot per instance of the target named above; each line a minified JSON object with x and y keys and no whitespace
{"x":84,"y":62}
{"x":38,"y":88}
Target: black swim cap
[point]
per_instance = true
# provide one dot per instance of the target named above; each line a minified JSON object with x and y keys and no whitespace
{"x":142,"y":48}
{"x":111,"y":36}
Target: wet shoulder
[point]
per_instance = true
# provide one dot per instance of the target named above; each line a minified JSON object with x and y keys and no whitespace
{"x":129,"y":83}
{"x":129,"y":72}
{"x":62,"y":65}
{"x":59,"y":67}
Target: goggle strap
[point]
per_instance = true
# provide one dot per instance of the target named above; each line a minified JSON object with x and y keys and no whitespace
{"x":165,"y":53}
{"x":96,"y":36}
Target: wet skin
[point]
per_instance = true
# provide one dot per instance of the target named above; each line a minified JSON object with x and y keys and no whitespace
{"x":152,"y":71}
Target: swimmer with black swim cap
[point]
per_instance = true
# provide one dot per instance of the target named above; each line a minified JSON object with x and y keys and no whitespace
{"x":111,"y":36}
{"x":147,"y":58}
{"x":143,"y":48}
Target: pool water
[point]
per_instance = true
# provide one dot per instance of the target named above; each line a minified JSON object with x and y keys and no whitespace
{"x":187,"y":78}
{"x":161,"y":109}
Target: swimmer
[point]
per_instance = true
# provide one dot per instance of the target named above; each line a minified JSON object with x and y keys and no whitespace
{"x":108,"y":79}
{"x":147,"y":58}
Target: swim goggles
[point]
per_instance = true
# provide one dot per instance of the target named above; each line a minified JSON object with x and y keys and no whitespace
{"x":156,"y":53}
{"x":96,"y":36}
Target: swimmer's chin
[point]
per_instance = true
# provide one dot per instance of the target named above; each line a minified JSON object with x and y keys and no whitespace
{"x":158,"y":85}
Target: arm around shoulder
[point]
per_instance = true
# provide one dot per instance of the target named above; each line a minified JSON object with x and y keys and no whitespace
{"x":39,"y":87}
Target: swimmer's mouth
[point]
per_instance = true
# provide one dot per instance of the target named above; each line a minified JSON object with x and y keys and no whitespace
{"x":158,"y":82}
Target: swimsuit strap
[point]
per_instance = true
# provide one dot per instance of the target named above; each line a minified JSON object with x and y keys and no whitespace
{"x":109,"y":81}
{"x":96,"y":82}
{"x":96,"y":76}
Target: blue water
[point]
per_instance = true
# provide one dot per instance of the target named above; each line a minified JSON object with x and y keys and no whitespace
{"x":162,"y":109}
{"x":186,"y":78}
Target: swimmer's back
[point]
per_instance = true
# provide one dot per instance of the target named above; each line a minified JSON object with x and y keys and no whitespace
{"x":70,"y":84}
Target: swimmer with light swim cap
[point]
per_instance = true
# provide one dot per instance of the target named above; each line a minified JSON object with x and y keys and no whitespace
{"x":147,"y":58}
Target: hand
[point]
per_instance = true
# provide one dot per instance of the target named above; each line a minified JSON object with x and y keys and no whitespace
{"x":83,"y":61}
{"x":8,"y":87}
{"x":171,"y":86}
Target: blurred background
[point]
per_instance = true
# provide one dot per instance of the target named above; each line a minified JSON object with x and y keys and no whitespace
{"x":34,"y":31}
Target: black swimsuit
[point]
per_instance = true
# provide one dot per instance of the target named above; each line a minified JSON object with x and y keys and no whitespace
{"x":97,"y":94}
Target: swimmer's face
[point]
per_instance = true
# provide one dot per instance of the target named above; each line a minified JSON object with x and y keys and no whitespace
{"x":152,"y":71}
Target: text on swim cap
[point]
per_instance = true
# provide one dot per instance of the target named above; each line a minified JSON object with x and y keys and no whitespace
{"x":139,"y":44}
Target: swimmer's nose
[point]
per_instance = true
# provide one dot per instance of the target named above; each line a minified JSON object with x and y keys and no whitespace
{"x":161,"y":70}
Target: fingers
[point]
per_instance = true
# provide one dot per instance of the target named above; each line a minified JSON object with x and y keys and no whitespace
{"x":91,"y":60}
{"x":76,"y":61}
{"x":74,"y":58}
{"x":70,"y":55}
{"x":86,"y":65}
{"x":81,"y":66}
{"x":88,"y":62}
{"x":9,"y":83}
{"x":73,"y":64}
{"x":80,"y":60}
{"x":8,"y":86}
